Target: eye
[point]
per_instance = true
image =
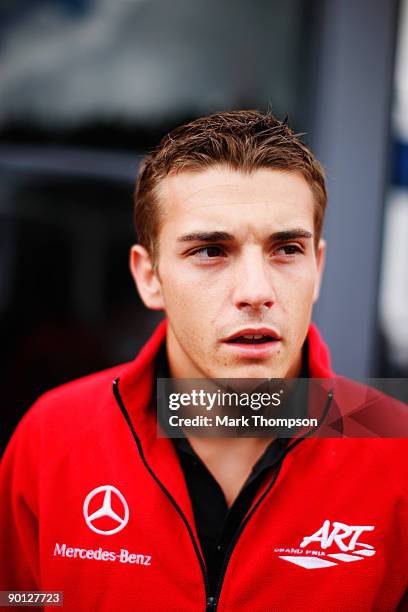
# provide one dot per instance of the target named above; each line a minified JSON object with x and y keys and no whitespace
{"x":288,"y":250}
{"x":209,"y":252}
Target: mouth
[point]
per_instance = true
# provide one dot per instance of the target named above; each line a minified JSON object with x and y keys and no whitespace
{"x":253,"y":336}
{"x":254,"y":342}
{"x":252,"y":339}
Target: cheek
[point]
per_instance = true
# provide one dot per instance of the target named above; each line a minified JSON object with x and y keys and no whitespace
{"x":194,"y":294}
{"x":301,"y":285}
{"x":187,"y":304}
{"x":299,"y":300}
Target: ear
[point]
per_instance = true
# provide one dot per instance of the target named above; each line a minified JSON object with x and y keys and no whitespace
{"x":320,"y":261}
{"x":146,"y":278}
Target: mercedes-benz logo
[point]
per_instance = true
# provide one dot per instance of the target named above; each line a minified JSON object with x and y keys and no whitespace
{"x":118,"y":521}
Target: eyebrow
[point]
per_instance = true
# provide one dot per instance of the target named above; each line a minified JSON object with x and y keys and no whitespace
{"x":291,"y":235}
{"x":205,"y":237}
{"x":217,"y":236}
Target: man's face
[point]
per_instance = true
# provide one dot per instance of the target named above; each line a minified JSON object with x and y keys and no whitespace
{"x":238,"y":272}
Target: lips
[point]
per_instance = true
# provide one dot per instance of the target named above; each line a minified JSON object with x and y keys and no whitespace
{"x":254,"y":336}
{"x":253,"y":343}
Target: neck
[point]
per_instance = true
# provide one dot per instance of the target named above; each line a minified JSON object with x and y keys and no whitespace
{"x":230,"y":460}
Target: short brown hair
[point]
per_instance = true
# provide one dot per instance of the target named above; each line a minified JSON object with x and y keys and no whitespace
{"x":243,"y":140}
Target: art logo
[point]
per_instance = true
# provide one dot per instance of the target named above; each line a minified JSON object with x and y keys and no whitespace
{"x":105,"y":510}
{"x":342,"y":540}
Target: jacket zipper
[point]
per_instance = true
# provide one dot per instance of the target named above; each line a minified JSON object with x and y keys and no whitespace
{"x":211,"y":603}
{"x":119,"y":400}
{"x":258,"y":503}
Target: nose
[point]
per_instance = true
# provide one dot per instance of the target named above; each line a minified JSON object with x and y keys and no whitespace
{"x":254,"y":288}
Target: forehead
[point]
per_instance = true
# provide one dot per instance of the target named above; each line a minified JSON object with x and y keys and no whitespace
{"x":221,"y":198}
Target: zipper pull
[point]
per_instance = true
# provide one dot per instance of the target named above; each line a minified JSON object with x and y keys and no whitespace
{"x":211,"y":604}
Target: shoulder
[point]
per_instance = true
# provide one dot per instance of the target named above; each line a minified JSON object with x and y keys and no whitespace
{"x":85,"y":388}
{"x":87,"y":405}
{"x":363,"y":432}
{"x":368,"y":412}
{"x":374,"y":430}
{"x":69,"y":409}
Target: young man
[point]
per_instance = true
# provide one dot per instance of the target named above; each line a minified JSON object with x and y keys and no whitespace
{"x":229,"y":212}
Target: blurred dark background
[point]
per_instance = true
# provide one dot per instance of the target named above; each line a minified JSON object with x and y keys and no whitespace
{"x":88,"y":86}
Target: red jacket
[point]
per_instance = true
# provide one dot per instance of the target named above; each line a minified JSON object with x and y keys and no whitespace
{"x":98,"y":511}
